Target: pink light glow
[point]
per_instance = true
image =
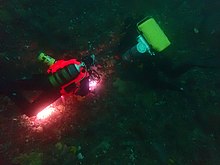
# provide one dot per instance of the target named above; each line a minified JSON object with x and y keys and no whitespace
{"x":92,"y":84}
{"x":46,"y":112}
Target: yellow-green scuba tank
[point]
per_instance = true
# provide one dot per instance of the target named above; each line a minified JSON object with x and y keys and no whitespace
{"x":46,"y":59}
{"x":153,"y":34}
{"x":151,"y":38}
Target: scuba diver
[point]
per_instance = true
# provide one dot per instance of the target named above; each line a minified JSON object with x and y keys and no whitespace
{"x":144,"y":62}
{"x":64,"y":77}
{"x":141,"y":62}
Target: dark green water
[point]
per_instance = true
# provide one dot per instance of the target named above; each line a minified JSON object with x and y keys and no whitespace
{"x":139,"y":116}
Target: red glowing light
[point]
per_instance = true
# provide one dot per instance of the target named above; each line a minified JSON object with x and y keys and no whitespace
{"x":46,"y":112}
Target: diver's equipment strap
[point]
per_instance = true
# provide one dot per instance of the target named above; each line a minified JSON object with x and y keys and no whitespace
{"x":64,"y":75}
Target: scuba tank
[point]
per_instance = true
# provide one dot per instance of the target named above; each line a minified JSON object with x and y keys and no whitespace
{"x":150,"y":37}
{"x":46,"y":59}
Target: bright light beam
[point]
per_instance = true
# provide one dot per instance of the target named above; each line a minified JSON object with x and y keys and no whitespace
{"x":46,"y":112}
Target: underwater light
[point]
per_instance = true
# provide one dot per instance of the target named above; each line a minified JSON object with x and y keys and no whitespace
{"x":92,"y":84}
{"x":46,"y":112}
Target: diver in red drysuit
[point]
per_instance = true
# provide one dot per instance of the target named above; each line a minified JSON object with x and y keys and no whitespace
{"x":64,"y":77}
